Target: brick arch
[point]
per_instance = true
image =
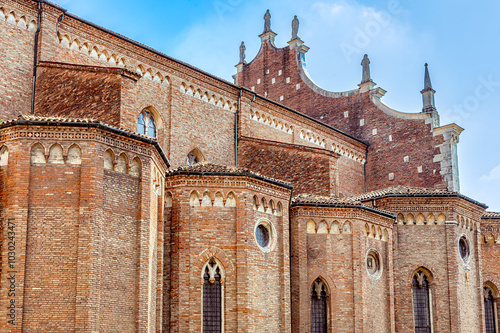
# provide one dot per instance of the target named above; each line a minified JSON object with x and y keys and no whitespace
{"x":428,"y":271}
{"x":158,"y":118}
{"x":318,"y":273}
{"x":492,"y":286}
{"x":217,"y":253}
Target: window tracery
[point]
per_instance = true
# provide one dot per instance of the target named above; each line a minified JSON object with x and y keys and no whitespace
{"x":146,"y":124}
{"x":319,"y":295}
{"x":489,"y":310}
{"x":421,"y":302}
{"x":213,"y":281}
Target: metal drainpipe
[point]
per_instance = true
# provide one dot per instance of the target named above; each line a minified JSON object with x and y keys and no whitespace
{"x":236,"y":118}
{"x":35,"y":57}
{"x":364,"y":166}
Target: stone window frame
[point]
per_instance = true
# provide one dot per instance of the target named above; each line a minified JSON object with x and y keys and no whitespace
{"x":488,"y":285}
{"x":467,"y":257}
{"x":194,"y":156}
{"x":430,"y":283}
{"x":148,"y":117}
{"x":222,"y":271}
{"x":373,"y":252}
{"x":318,"y":282}
{"x":273,"y":235}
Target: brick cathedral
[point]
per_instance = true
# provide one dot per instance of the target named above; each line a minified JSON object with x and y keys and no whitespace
{"x":141,"y":194}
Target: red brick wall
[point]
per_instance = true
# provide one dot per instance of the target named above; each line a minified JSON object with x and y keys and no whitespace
{"x":411,"y":138}
{"x":256,"y":284}
{"x":490,"y":252}
{"x":456,"y":302}
{"x":291,"y":163}
{"x":78,"y":93}
{"x":53,"y":240}
{"x":339,"y":259}
{"x":16,"y":67}
{"x":119,"y":252}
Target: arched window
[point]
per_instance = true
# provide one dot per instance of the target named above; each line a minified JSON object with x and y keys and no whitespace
{"x":489,"y":310}
{"x":146,"y":124}
{"x":212,"y":297}
{"x":319,"y":295}
{"x":194,"y":157}
{"x":421,"y":304}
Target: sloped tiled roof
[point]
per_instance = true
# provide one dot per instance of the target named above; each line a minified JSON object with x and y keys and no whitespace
{"x":324,"y":201}
{"x":411,"y":191}
{"x":491,"y":215}
{"x":306,"y":198}
{"x":206,"y":168}
{"x":82,"y":122}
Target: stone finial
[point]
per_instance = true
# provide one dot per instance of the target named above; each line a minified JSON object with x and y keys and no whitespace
{"x":267,"y":21}
{"x":366,"y":69}
{"x":427,"y":79}
{"x":428,"y":93}
{"x":295,"y":27}
{"x":242,"y":53}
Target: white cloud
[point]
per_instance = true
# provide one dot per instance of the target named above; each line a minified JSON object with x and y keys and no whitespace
{"x":493,"y":175}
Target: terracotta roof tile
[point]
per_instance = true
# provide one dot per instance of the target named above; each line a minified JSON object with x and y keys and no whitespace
{"x":402,"y":190}
{"x":317,"y":200}
{"x":306,"y":198}
{"x":491,"y":215}
{"x":206,"y":168}
{"x":412,"y":191}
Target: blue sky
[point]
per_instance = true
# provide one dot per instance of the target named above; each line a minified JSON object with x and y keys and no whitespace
{"x":459,"y":39}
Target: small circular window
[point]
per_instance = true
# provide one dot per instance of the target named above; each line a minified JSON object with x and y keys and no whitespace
{"x":265,"y":235}
{"x":262,"y":235}
{"x":463,"y":248}
{"x":373,"y":264}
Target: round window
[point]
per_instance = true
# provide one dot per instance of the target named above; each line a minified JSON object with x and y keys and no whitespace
{"x":373,"y":264}
{"x":265,"y":235}
{"x":262,"y":235}
{"x":463,"y":248}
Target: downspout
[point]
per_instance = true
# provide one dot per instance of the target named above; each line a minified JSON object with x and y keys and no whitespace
{"x":236,"y":118}
{"x":364,"y":166}
{"x":35,"y":57}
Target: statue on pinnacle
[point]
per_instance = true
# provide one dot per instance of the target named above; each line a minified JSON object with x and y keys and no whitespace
{"x":242,"y":52}
{"x":267,"y":21}
{"x":295,"y":27}
{"x":366,"y":69}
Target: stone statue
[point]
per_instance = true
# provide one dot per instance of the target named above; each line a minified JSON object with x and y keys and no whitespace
{"x":242,"y":52}
{"x":267,"y":21}
{"x":366,"y":69}
{"x":295,"y":27}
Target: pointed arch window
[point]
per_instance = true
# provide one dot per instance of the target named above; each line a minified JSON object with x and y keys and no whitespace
{"x":146,"y":124}
{"x":213,"y":279}
{"x":421,"y":302}
{"x":194,"y":157}
{"x":319,"y":295}
{"x":489,"y":311}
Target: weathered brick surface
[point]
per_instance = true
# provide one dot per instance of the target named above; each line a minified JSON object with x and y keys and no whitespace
{"x":16,"y":54}
{"x":338,"y":258}
{"x":261,"y":280}
{"x":411,"y":138}
{"x":106,"y":250}
{"x":433,"y":245}
{"x":83,"y":93}
{"x":290,"y":163}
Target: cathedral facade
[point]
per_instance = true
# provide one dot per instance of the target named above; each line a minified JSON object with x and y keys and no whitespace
{"x":141,"y":194}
